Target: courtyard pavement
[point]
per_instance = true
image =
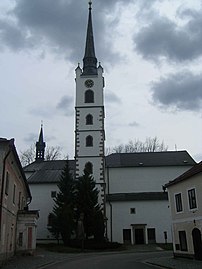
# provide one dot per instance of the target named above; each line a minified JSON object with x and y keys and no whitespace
{"x":43,"y":258}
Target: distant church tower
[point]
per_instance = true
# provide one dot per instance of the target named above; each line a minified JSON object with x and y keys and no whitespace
{"x":40,"y":147}
{"x":89,"y":115}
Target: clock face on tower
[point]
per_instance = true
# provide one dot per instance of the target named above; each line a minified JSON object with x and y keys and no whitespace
{"x":89,"y":83}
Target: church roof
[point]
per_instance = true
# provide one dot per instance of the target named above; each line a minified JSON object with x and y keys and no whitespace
{"x":196,"y":169}
{"x":145,"y":159}
{"x":47,"y":171}
{"x":140,"y":196}
{"x":50,"y":171}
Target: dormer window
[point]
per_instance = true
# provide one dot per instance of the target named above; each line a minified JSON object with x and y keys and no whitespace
{"x":89,"y":119}
{"x":89,"y":96}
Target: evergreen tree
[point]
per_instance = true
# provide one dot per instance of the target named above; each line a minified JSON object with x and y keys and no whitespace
{"x":87,"y":205}
{"x":63,"y":216}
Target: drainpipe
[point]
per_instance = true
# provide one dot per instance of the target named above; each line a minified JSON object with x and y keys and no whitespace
{"x":2,"y":185}
{"x":110,"y":205}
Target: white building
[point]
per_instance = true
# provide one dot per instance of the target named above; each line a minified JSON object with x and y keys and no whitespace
{"x":186,"y":210}
{"x":137,"y":207}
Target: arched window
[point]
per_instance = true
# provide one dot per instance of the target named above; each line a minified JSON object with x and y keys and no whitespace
{"x":89,"y":167}
{"x":89,"y":119}
{"x":89,"y":141}
{"x":89,"y":96}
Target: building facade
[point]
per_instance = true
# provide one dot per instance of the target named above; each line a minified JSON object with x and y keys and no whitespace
{"x":137,"y":207}
{"x":17,"y":230}
{"x":186,"y":212}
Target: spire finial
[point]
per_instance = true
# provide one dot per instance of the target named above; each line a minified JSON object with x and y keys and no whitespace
{"x":90,"y":4}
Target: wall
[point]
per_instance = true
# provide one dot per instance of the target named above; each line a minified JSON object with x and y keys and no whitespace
{"x":188,"y":219}
{"x":140,"y":179}
{"x":43,"y":202}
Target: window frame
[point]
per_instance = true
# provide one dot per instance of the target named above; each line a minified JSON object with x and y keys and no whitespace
{"x":89,"y":141}
{"x":14,"y":193}
{"x":89,"y":96}
{"x":89,"y":119}
{"x":183,"y":240}
{"x":192,"y":200}
{"x":178,"y":202}
{"x":7,"y":183}
{"x":89,"y":167}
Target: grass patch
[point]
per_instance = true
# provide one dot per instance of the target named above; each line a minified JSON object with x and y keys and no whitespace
{"x":76,"y":246}
{"x":168,"y":246}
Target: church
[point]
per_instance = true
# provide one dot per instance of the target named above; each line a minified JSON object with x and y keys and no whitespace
{"x":135,"y":207}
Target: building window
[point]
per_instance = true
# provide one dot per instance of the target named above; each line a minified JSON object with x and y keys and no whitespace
{"x":14,"y":191}
{"x":19,"y":200}
{"x":151,"y":234}
{"x":53,"y":194}
{"x":192,"y":199}
{"x":183,"y":240}
{"x":89,"y":167}
{"x":89,"y":141}
{"x":132,"y":211}
{"x":178,"y":202}
{"x":7,"y":183}
{"x":89,"y":96}
{"x":20,"y":241}
{"x":50,"y":219}
{"x":89,"y":119}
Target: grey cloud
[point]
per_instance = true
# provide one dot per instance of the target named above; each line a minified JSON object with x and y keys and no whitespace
{"x":66,"y":106}
{"x":13,"y":37}
{"x":181,"y":91}
{"x":134,"y":124}
{"x":164,"y":38}
{"x":30,"y":138}
{"x":111,"y":97}
{"x":59,"y":25}
{"x":42,"y":111}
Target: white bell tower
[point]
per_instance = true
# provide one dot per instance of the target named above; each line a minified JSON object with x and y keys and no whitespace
{"x":89,"y":115}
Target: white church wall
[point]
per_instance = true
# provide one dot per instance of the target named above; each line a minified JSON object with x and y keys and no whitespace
{"x":96,"y":113}
{"x":43,"y":202}
{"x":97,"y":88}
{"x":152,"y":214}
{"x":140,"y":179}
{"x":89,"y":151}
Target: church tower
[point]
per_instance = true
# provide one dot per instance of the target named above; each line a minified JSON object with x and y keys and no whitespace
{"x":89,"y":115}
{"x":40,"y":147}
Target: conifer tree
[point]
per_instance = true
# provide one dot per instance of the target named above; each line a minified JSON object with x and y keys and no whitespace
{"x":63,"y":216}
{"x":87,"y":204}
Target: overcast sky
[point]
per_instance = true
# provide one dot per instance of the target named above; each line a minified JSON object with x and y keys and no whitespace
{"x":151,"y":51}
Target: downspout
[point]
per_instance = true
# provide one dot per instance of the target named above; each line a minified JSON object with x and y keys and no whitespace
{"x":110,"y":205}
{"x":2,"y":185}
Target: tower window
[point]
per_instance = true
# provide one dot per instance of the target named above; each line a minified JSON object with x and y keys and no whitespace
{"x":89,"y":141}
{"x":89,"y":167}
{"x":89,"y":119}
{"x":89,"y":96}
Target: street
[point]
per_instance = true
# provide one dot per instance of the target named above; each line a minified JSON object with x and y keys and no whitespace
{"x":107,"y":261}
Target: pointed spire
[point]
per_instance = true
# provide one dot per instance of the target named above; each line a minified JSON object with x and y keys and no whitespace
{"x":40,"y":146}
{"x":89,"y":60}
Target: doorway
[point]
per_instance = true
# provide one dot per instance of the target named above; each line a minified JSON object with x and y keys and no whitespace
{"x":139,"y":236}
{"x":196,"y":236}
{"x":127,"y":236}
